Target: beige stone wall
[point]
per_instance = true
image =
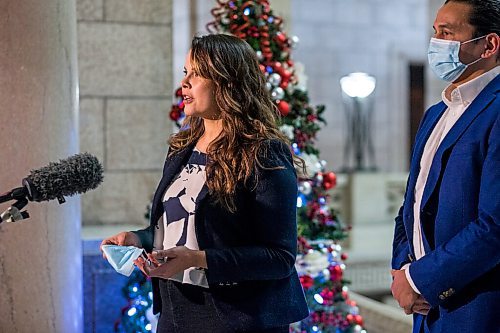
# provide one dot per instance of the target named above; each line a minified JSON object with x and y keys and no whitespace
{"x":125,"y":69}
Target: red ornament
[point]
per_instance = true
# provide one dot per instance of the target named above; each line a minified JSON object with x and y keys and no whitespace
{"x":306,"y":281}
{"x":335,"y":273}
{"x":181,"y":105}
{"x":327,"y":185}
{"x":281,"y":37}
{"x":175,"y":113}
{"x":343,"y":256}
{"x":330,"y":177}
{"x":286,"y":75}
{"x":358,"y":319}
{"x":284,"y":108}
{"x":178,"y":92}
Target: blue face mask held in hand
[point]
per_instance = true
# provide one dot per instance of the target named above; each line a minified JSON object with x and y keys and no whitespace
{"x":122,"y":257}
{"x":443,"y":58}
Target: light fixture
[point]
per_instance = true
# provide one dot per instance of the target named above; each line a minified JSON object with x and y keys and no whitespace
{"x":358,"y":84}
{"x":359,"y":154}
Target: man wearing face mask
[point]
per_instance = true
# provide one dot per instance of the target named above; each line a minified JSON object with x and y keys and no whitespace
{"x":446,"y":254}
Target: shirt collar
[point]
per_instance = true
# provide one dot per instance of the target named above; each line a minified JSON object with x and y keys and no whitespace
{"x":467,"y":92}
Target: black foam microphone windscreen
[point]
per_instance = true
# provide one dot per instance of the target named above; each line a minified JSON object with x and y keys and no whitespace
{"x":75,"y":174}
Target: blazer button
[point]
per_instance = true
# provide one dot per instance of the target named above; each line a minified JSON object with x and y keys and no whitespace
{"x":446,"y":294}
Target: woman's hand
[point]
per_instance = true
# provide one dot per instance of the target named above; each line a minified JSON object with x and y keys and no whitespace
{"x":125,"y":238}
{"x":166,"y":263}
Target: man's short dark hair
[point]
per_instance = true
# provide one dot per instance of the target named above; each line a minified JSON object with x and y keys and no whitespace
{"x":484,"y":16}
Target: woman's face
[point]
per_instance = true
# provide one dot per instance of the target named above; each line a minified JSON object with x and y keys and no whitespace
{"x":198,"y":94}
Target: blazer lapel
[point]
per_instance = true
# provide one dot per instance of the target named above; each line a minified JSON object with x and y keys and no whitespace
{"x":477,"y":106}
{"x":427,"y":129}
{"x":173,"y":165}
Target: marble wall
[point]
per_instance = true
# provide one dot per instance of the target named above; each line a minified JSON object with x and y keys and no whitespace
{"x":125,"y":65}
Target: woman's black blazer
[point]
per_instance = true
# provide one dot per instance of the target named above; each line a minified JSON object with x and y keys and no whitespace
{"x":250,"y":253}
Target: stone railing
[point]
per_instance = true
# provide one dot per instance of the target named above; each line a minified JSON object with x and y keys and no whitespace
{"x":381,"y":318}
{"x":369,"y":276}
{"x":369,"y":198}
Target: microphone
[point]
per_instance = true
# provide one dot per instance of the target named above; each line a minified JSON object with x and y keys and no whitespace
{"x":73,"y":175}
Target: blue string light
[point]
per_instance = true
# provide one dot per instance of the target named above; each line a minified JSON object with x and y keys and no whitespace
{"x":132,"y":311}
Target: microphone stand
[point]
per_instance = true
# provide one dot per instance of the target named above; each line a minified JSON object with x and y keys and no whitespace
{"x":14,"y":213}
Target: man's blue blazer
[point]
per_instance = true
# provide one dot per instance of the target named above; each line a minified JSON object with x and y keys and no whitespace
{"x":460,"y":217}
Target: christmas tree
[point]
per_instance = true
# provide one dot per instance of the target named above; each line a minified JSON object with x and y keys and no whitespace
{"x":320,"y":262}
{"x":137,"y":316}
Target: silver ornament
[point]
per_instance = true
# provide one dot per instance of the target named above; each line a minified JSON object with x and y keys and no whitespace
{"x":259,"y":55}
{"x":306,"y":188}
{"x":274,"y":79}
{"x":277,"y":93}
{"x":269,"y":86}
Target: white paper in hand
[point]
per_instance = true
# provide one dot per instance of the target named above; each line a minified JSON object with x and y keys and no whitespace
{"x":122,"y":257}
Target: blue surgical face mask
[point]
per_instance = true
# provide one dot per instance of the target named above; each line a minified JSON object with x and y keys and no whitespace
{"x":444,"y":60}
{"x":122,"y":257}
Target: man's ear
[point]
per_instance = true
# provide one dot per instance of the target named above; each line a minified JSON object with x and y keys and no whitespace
{"x":492,"y":46}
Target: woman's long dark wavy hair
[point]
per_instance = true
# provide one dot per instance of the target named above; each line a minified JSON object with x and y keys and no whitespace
{"x":249,"y":116}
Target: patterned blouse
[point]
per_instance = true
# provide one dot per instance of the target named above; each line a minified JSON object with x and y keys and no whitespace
{"x":179,"y":205}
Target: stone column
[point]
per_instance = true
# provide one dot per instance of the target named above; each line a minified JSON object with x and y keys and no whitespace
{"x":40,"y":258}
